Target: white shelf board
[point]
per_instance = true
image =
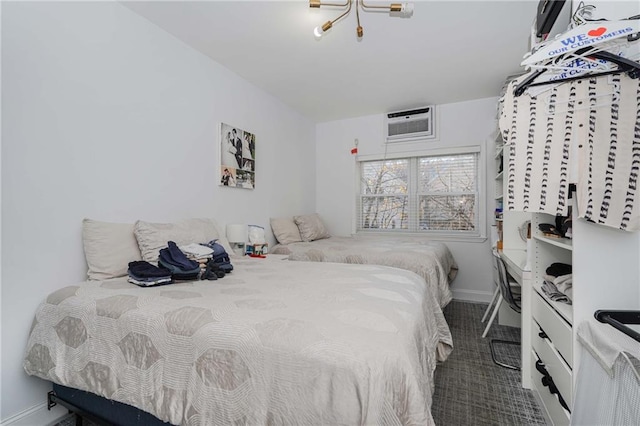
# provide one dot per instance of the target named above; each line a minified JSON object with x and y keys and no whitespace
{"x":564,"y":243}
{"x":565,"y":311}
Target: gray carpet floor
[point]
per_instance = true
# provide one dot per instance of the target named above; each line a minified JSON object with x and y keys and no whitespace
{"x":469,"y":388}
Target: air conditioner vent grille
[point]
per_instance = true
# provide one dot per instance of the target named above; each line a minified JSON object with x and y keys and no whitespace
{"x":410,"y":125}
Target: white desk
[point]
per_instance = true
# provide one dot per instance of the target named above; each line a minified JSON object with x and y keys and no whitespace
{"x":515,"y":260}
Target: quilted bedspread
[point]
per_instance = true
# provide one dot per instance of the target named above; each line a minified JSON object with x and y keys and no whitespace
{"x":275,"y":342}
{"x":432,"y":260}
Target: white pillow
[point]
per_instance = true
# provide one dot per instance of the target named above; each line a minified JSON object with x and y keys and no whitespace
{"x":154,"y":236}
{"x":311,"y":227}
{"x":285,"y":230}
{"x":108,"y":248}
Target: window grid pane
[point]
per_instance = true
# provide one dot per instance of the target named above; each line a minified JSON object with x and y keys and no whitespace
{"x":384,"y":212}
{"x":448,"y":213}
{"x":385,"y":177}
{"x":450,"y":173}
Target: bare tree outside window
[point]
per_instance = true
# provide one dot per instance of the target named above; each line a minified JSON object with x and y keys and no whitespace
{"x":384,"y":187}
{"x":448,"y":188}
{"x":445,"y":198}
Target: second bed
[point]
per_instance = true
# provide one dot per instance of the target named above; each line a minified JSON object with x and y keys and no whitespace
{"x":432,"y":260}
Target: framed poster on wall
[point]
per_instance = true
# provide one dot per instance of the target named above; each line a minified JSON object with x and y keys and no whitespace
{"x":237,"y":157}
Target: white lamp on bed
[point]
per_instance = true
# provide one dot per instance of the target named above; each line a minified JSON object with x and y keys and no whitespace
{"x":237,"y":236}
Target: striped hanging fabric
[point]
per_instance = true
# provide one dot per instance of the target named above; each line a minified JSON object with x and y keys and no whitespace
{"x":585,"y":132}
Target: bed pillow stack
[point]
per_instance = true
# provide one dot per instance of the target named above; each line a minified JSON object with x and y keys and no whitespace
{"x":309,"y":227}
{"x":285,"y":230}
{"x":152,"y":237}
{"x":109,"y":247}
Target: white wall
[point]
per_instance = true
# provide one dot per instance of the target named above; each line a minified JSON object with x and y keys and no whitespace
{"x":109,"y":117}
{"x":459,"y":124}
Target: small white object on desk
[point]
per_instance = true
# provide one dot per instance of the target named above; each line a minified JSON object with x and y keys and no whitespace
{"x":237,"y":236}
{"x":257,"y":249}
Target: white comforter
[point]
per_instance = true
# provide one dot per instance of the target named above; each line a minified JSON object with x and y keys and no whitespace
{"x":275,"y":342}
{"x":432,"y":260}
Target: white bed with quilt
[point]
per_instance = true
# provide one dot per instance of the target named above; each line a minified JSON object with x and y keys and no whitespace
{"x":304,"y":238}
{"x":274,"y":342}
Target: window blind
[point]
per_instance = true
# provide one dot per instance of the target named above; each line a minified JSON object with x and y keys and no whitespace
{"x":436,"y":193}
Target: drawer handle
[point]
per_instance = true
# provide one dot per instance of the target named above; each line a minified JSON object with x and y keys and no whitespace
{"x":548,"y":382}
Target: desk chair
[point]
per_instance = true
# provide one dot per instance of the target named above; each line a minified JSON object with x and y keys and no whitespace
{"x":493,"y":300}
{"x":509,"y":291}
{"x":498,"y":297}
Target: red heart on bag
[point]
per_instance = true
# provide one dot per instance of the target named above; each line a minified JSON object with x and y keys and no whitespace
{"x":597,"y":32}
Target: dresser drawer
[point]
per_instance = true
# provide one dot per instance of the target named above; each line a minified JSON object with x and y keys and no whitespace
{"x":559,"y":416}
{"x":555,"y":365}
{"x":554,"y":326}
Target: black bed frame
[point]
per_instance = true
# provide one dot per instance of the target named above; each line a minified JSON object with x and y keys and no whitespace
{"x":99,"y":410}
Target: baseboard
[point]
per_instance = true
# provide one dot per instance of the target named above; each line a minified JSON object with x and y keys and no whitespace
{"x":472,"y":296}
{"x":38,"y":415}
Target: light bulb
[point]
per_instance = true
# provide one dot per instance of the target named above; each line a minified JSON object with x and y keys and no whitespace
{"x":407,"y":10}
{"x":318,"y":31}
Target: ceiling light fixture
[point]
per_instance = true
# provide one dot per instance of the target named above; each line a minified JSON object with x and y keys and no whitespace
{"x":404,"y":10}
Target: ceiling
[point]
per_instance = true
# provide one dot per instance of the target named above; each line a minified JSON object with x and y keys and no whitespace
{"x":449,"y":51}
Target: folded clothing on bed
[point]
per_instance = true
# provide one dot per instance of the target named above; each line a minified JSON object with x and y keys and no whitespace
{"x":143,"y":269}
{"x":173,"y":256}
{"x":145,"y":274}
{"x":181,"y":274}
{"x":181,"y":267}
{"x":196,"y":251}
{"x":149,"y":282}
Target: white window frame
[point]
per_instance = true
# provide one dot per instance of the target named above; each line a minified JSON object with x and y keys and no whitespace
{"x":480,"y":234}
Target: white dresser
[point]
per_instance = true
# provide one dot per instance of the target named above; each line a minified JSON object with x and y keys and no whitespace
{"x":551,"y":326}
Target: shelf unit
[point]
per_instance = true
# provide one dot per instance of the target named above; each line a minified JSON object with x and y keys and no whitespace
{"x":508,"y":225}
{"x":499,"y":185}
{"x":498,"y":157}
{"x":551,"y":324}
{"x":605,"y":276}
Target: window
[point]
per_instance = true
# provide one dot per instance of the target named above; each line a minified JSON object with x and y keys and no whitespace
{"x":428,"y":193}
{"x":385,"y":194}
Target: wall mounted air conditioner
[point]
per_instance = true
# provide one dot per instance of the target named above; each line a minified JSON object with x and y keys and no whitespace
{"x":410,"y":125}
